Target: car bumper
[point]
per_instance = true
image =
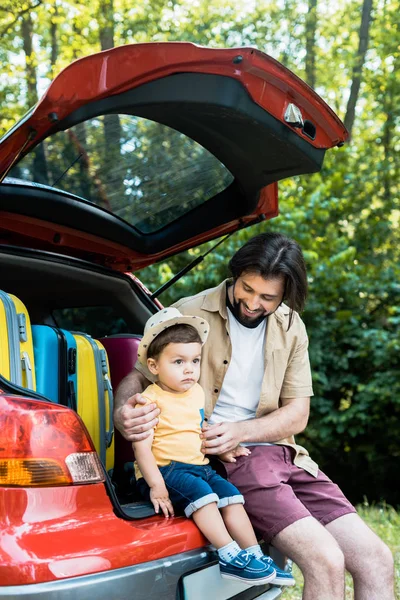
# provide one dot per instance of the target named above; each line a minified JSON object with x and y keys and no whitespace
{"x":165,"y":579}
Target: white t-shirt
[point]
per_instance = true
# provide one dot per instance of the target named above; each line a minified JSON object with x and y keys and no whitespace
{"x":241,"y":388}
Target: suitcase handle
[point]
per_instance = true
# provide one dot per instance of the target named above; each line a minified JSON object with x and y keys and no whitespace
{"x":71,"y":396}
{"x":108,"y":388}
{"x":27,"y":367}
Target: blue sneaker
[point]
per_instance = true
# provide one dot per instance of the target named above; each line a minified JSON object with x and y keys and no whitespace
{"x":247,"y":568}
{"x":281,"y":577}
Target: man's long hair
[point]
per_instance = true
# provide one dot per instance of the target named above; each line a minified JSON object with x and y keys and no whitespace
{"x":273,"y":255}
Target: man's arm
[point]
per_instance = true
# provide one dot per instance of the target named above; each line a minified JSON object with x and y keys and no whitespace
{"x":134,"y":424}
{"x":289,"y":419}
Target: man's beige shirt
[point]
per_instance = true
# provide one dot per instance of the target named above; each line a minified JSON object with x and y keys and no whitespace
{"x":287,"y":368}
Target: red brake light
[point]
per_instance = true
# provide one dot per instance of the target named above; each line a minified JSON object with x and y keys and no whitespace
{"x":44,"y":444}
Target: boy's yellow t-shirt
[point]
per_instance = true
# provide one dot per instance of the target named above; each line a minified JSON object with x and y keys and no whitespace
{"x":177,"y":433}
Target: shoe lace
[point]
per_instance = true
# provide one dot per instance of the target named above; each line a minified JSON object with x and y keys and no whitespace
{"x":245,"y":555}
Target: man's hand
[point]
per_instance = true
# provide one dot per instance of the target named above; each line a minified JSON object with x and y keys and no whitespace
{"x":160,"y":499}
{"x":220,"y":438}
{"x":233,"y":454}
{"x":136,"y":424}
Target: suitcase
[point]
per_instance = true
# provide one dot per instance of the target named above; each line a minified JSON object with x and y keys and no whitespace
{"x":55,"y":364}
{"x":95,"y":400}
{"x":16,"y":348}
{"x":122,"y":355}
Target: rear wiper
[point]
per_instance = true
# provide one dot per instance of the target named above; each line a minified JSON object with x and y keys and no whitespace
{"x":66,"y":170}
{"x":200,"y":258}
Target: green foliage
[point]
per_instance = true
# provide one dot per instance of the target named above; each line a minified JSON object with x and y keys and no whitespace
{"x":346,"y":218}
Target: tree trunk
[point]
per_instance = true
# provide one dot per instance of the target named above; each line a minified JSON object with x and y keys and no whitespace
{"x":111,"y":123}
{"x":311,"y":29}
{"x":106,"y":24}
{"x":30,"y":59}
{"x":54,"y":39}
{"x":358,"y":65}
{"x":39,"y":167}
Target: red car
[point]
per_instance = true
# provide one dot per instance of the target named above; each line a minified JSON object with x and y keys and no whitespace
{"x":132,"y":155}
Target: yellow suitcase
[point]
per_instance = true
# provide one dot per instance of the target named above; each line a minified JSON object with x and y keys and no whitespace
{"x":95,"y":401}
{"x":16,"y":346}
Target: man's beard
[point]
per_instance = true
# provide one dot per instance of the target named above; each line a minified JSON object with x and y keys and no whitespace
{"x":235,"y":308}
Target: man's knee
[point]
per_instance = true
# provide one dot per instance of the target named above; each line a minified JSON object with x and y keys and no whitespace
{"x":329,"y":559}
{"x":387,"y":564}
{"x":381,"y":556}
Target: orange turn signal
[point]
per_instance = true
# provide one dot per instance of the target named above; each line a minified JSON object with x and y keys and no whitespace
{"x":33,"y":472}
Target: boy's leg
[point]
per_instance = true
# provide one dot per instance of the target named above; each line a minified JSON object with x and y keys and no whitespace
{"x":189,"y":488}
{"x":209,"y":520}
{"x":231,"y":506}
{"x":238,"y":524}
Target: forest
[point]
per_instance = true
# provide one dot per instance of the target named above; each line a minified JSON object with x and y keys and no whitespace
{"x":346,"y":218}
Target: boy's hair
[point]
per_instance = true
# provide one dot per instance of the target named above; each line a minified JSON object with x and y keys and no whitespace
{"x":273,"y":255}
{"x":176,"y":334}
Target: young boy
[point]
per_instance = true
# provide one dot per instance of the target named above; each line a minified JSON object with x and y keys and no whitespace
{"x":170,"y":466}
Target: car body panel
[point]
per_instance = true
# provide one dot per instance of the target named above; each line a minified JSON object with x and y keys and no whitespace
{"x":154,"y":580}
{"x":28,"y":231}
{"x":57,"y":532}
{"x":230,"y":101}
{"x":120,"y":69}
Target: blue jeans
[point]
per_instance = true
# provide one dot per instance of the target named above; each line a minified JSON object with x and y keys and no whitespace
{"x":191,"y":487}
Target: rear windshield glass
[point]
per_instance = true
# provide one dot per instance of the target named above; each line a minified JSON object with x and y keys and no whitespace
{"x":145,"y":173}
{"x":97,"y":321}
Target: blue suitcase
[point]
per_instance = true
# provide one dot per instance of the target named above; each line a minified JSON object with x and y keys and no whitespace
{"x":55,"y":364}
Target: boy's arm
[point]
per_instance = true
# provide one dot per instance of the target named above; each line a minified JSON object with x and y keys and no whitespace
{"x":150,"y":471}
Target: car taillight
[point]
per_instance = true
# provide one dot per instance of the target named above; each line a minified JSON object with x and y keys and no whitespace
{"x":43,"y":444}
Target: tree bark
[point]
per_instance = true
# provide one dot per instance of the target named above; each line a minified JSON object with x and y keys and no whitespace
{"x":111,"y":123}
{"x":358,"y":65}
{"x":39,"y":166}
{"x":311,"y":29}
{"x":54,"y":39}
{"x":106,"y":24}
{"x":30,"y":59}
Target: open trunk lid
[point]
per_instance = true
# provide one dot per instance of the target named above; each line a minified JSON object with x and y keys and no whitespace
{"x":136,"y":153}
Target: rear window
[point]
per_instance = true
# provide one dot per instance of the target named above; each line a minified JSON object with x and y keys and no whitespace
{"x":143,"y":172}
{"x":97,"y":321}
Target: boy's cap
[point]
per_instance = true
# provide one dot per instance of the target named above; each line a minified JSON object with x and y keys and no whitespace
{"x":167,"y":317}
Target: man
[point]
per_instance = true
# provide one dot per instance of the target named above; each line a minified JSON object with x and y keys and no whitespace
{"x":256,"y":376}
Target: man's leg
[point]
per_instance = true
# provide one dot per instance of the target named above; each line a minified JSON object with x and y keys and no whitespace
{"x":317,"y":555}
{"x":367,"y":558}
{"x":278,"y":515}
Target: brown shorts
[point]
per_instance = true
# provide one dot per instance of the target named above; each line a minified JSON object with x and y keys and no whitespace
{"x":277,"y":493}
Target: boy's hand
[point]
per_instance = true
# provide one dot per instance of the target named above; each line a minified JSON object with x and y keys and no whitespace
{"x":160,"y":499}
{"x":232,"y":454}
